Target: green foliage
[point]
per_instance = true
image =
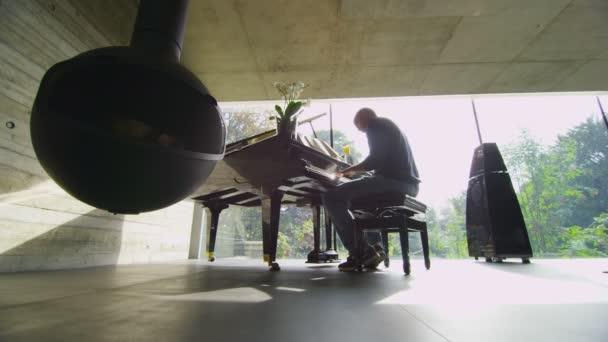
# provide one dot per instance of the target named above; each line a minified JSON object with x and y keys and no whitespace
{"x":586,"y":242}
{"x":438,"y":239}
{"x":292,"y":108}
{"x":242,"y":123}
{"x":295,"y":230}
{"x":252,"y":223}
{"x":394,"y":245}
{"x":303,"y":239}
{"x":279,"y":110}
{"x":447,"y":231}
{"x":562,"y":188}
{"x":283,"y":246}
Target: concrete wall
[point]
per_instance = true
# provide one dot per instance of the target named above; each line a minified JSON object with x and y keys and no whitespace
{"x":41,"y":227}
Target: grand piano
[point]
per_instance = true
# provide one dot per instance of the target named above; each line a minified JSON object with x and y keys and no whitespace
{"x":269,"y":170}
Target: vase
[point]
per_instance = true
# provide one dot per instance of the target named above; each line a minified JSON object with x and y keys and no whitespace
{"x":287,"y":128}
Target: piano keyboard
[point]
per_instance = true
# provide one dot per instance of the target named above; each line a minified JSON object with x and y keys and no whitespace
{"x":331,"y":178}
{"x":325,"y":176}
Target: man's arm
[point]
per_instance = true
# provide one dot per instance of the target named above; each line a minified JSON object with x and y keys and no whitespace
{"x":349,"y":171}
{"x":378,"y":149}
{"x":377,"y":154}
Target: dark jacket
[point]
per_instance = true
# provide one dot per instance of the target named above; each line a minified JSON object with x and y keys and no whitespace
{"x":390,"y":154}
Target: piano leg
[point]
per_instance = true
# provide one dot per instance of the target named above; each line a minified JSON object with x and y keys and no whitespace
{"x":328,"y":233}
{"x":330,"y":253}
{"x":386,"y":244}
{"x":211,"y":226}
{"x":405,"y":250}
{"x":316,"y":221}
{"x":316,"y":255}
{"x":271,"y":213}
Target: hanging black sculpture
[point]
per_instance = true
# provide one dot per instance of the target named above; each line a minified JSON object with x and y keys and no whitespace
{"x":128,"y":129}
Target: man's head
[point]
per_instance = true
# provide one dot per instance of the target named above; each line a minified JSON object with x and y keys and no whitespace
{"x":363,"y":117}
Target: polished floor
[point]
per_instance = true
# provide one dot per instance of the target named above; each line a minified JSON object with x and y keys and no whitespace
{"x":239,"y":300}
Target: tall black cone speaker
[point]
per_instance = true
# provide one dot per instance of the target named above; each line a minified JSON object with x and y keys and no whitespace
{"x":495,"y":225}
{"x":128,"y":129}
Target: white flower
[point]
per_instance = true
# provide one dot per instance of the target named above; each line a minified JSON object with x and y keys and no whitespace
{"x":290,"y":91}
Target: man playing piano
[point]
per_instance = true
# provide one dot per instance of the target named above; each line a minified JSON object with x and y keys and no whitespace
{"x":394,"y":170}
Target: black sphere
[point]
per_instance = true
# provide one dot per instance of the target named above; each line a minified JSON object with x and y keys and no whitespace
{"x":125,"y":133}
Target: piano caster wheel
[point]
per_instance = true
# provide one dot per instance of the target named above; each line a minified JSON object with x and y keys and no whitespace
{"x":488,"y":259}
{"x":406,"y":268}
{"x":476,"y":258}
{"x":427,"y":264}
{"x":274,"y":267}
{"x":525,"y":260}
{"x":211,"y":259}
{"x":387,"y":262}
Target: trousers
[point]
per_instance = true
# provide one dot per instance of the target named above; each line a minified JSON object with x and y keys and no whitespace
{"x":337,"y":202}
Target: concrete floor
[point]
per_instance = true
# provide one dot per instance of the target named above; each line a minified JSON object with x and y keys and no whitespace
{"x":238,"y":300}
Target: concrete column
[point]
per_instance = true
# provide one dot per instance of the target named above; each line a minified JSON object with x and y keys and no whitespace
{"x":196,"y":236}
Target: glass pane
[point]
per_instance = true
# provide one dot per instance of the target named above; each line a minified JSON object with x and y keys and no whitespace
{"x":555,"y":147}
{"x":319,"y":113}
{"x":556,"y":150}
{"x":247,"y":119}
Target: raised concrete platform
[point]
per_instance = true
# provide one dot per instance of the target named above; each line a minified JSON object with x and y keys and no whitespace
{"x":239,"y":300}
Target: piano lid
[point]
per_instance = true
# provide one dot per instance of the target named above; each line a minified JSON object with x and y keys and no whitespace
{"x":254,"y":165}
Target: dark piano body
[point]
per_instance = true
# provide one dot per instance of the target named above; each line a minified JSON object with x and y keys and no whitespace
{"x":270,"y":170}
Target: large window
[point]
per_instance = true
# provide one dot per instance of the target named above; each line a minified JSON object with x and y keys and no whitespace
{"x":555,"y":147}
{"x":556,"y":150}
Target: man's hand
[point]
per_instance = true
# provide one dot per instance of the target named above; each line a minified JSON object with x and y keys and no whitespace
{"x":349,"y":171}
{"x":345,"y":172}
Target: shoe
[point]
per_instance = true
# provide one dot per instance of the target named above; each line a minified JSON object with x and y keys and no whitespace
{"x":374,"y":257}
{"x":350,"y":265}
{"x":380,"y":250}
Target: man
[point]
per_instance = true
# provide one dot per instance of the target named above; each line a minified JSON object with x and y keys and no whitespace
{"x":391,"y":159}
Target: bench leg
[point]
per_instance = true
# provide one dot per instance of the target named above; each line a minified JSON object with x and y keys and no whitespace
{"x":405,"y":250}
{"x":387,"y":261}
{"x":424,"y":237}
{"x":359,"y":237}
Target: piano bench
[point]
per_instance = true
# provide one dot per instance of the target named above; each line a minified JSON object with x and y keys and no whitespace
{"x":393,"y":219}
{"x":391,"y":199}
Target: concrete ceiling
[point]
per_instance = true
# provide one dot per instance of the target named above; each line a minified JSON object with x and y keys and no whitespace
{"x":365,"y":48}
